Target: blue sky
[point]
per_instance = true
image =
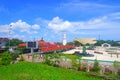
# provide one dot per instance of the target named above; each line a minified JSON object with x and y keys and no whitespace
{"x":51,"y":19}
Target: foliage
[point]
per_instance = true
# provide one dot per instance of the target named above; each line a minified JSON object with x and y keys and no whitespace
{"x":37,"y":71}
{"x":118,"y":72}
{"x":14,"y":55}
{"x":91,"y":46}
{"x":6,"y":58}
{"x":21,"y":58}
{"x":56,"y":55}
{"x":14,"y":42}
{"x":87,"y":44}
{"x":77,"y":43}
{"x":47,"y":59}
{"x":111,"y":42}
{"x":84,"y":50}
{"x":96,"y":66}
{"x":116,"y":64}
{"x":70,"y":43}
{"x":72,"y":57}
{"x":35,"y":55}
{"x":20,"y":49}
{"x":76,"y":63}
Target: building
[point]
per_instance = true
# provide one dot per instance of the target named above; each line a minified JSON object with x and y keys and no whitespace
{"x":86,"y":40}
{"x":64,"y":40}
{"x":3,"y":42}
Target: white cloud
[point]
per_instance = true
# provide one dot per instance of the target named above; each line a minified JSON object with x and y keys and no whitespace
{"x":17,"y":29}
{"x":108,"y":22}
{"x":86,"y":7}
{"x":4,"y":28}
{"x":24,"y":27}
{"x":35,"y":26}
{"x":58,"y":24}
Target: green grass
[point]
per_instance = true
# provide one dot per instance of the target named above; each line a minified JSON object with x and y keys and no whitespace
{"x":70,"y":56}
{"x":37,"y":71}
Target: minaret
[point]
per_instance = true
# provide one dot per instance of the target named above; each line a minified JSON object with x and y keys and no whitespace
{"x":64,"y":40}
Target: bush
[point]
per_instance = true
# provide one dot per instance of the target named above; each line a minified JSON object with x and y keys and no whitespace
{"x":21,"y":58}
{"x":96,"y":66}
{"x":116,"y":64}
{"x":47,"y":59}
{"x":118,"y":72}
{"x":14,"y":55}
{"x":6,"y":58}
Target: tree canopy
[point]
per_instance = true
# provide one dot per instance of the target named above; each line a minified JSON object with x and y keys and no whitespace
{"x":14,"y":42}
{"x":111,"y":42}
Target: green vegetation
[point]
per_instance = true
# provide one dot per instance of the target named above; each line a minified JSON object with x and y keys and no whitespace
{"x":14,"y":42}
{"x":70,"y":56}
{"x":14,"y":55}
{"x":111,"y":42}
{"x":37,"y":71}
{"x":96,"y":66}
{"x":21,"y":58}
{"x":84,"y":50}
{"x":77,"y":43}
{"x":5,"y":58}
{"x":116,"y":64}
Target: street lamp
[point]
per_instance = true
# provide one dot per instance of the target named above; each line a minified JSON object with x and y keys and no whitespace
{"x":10,"y":31}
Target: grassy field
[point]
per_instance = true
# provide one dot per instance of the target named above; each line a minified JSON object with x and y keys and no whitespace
{"x":37,"y":71}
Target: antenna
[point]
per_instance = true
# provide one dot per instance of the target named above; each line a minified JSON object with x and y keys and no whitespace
{"x":99,"y":37}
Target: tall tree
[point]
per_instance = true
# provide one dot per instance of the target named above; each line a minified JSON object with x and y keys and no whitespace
{"x":13,"y":42}
{"x":77,"y":43}
{"x":84,"y":50}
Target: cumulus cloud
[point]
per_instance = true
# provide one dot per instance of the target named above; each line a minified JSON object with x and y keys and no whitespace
{"x":84,"y":7}
{"x":35,"y":26}
{"x":108,"y":22}
{"x":58,"y":24}
{"x":4,"y":29}
{"x":18,"y":28}
{"x":24,"y":27}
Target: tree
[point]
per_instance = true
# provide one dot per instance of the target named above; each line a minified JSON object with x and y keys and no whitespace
{"x":6,"y":58}
{"x":116,"y":64}
{"x":91,"y":47}
{"x":87,"y":44}
{"x":13,"y":42}
{"x":14,"y":55}
{"x":70,"y":43}
{"x":96,"y":66}
{"x":111,"y":42}
{"x":77,"y":43}
{"x":84,"y":50}
{"x":21,"y":58}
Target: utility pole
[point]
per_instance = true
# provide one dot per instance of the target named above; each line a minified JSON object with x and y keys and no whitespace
{"x":10,"y":32}
{"x":32,"y":49}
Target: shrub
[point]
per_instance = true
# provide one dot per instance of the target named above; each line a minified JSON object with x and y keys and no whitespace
{"x":47,"y":59}
{"x":96,"y":66}
{"x":118,"y":72}
{"x":21,"y":58}
{"x":116,"y":64}
{"x":14,"y":55}
{"x":6,"y":58}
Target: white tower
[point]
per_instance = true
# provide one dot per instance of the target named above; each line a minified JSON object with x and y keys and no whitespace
{"x":64,"y":40}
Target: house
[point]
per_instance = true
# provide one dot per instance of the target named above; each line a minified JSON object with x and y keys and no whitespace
{"x":3,"y":42}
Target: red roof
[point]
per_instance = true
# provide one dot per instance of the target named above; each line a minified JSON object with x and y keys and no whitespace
{"x":22,"y":45}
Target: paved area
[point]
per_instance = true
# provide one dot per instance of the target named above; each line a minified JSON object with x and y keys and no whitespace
{"x":105,"y":56}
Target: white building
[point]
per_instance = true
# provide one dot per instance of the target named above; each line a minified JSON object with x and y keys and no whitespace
{"x":64,"y":40}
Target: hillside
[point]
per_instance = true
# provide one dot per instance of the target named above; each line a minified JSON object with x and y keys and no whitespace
{"x":37,"y":71}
